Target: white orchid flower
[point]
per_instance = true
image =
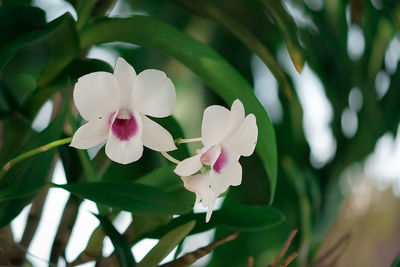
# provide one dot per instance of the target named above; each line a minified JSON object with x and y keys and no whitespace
{"x":226,"y":135}
{"x":116,"y":107}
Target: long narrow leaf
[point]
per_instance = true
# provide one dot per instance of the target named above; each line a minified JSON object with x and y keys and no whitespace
{"x":20,"y":26}
{"x":64,"y":47}
{"x":30,"y":174}
{"x":166,"y":244}
{"x":120,"y":243}
{"x":240,"y":218}
{"x":129,"y":196}
{"x":288,"y":28}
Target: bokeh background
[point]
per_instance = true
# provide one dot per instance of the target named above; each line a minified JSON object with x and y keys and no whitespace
{"x":332,"y":91}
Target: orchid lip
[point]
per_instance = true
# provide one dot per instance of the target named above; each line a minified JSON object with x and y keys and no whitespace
{"x":221,"y":162}
{"x":124,"y":126}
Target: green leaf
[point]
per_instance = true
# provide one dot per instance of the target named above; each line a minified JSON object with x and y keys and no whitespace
{"x":288,"y":28}
{"x":165,"y":179}
{"x":120,"y":243}
{"x":19,"y":2}
{"x":379,"y":46}
{"x":64,"y":47}
{"x":29,"y":174}
{"x":80,"y":67}
{"x":166,"y":244}
{"x":17,"y":192}
{"x":129,"y":196}
{"x":6,"y":101}
{"x":241,"y":32}
{"x":396,"y":261}
{"x":18,"y":132}
{"x":84,"y":9}
{"x":239,"y":218}
{"x":199,"y":57}
{"x":74,"y":70}
{"x":22,"y":25}
{"x":176,"y":131}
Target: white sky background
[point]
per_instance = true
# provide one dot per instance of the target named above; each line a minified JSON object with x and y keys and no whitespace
{"x":383,"y":164}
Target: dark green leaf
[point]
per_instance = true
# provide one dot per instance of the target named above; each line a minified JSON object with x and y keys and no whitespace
{"x":31,"y":173}
{"x":165,"y":179}
{"x":19,"y":2}
{"x":166,"y":244}
{"x":64,"y":47}
{"x":18,"y":132}
{"x":203,"y":60}
{"x":80,"y":67}
{"x":240,"y":218}
{"x":129,"y":196}
{"x":220,"y":15}
{"x":176,"y":131}
{"x":121,"y":245}
{"x":84,"y":9}
{"x":288,"y":28}
{"x":75,"y":70}
{"x":396,"y":261}
{"x":22,"y":25}
{"x":18,"y":192}
{"x":6,"y":101}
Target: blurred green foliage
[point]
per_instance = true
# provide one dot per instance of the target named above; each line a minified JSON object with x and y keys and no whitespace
{"x":214,"y":43}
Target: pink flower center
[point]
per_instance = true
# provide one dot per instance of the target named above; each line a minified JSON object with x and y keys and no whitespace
{"x":124,"y":126}
{"x":208,"y":158}
{"x":222,"y":160}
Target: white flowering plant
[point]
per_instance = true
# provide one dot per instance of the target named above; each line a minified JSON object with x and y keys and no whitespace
{"x":129,"y":122}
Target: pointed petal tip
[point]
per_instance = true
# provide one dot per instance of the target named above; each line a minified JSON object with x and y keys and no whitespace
{"x":121,"y":60}
{"x":171,"y":147}
{"x":237,"y":103}
{"x":121,"y":63}
{"x":209,"y":213}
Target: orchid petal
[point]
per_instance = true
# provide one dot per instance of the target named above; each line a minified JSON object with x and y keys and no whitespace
{"x":96,"y":95}
{"x":188,"y":166}
{"x":125,"y":152}
{"x":214,"y":125}
{"x":231,"y":174}
{"x":236,"y":116}
{"x":243,"y":141}
{"x":90,"y":134}
{"x":210,"y":208}
{"x":154,"y":94}
{"x":126,"y":76}
{"x":155,"y":136}
{"x":211,"y":155}
{"x":199,"y":184}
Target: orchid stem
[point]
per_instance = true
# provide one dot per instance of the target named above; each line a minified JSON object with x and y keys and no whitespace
{"x":170,"y":158}
{"x":190,"y":140}
{"x":33,"y":152}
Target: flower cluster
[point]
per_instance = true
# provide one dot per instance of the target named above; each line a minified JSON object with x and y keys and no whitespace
{"x":117,"y":108}
{"x":226,"y":135}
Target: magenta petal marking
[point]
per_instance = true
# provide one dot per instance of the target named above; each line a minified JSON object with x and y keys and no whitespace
{"x":204,"y":159}
{"x":222,"y":160}
{"x":124,"y":129}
